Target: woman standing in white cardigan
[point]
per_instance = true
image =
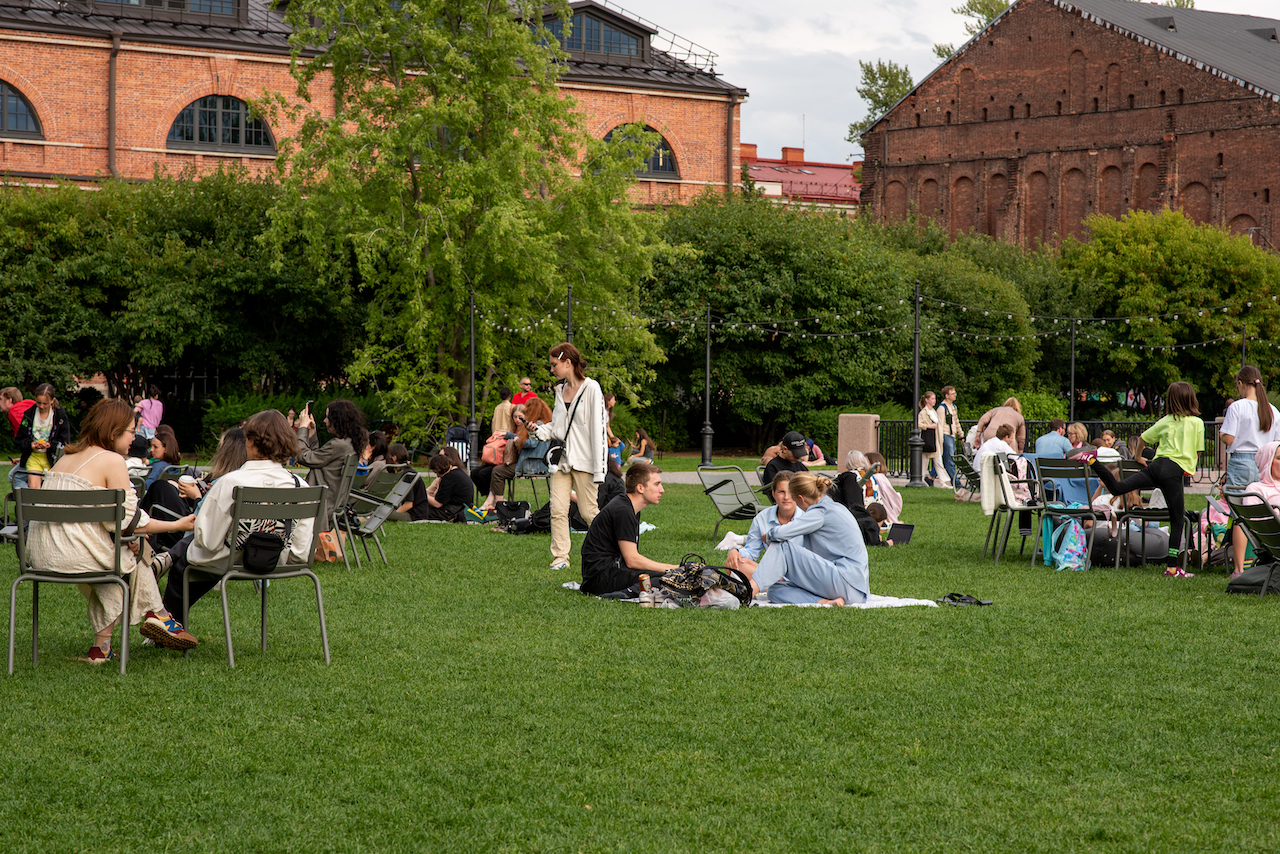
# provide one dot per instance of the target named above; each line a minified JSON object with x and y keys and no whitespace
{"x":579,"y":420}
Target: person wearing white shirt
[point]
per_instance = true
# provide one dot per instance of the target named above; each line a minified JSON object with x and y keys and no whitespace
{"x":269,"y":441}
{"x":580,"y":421}
{"x":1250,"y":423}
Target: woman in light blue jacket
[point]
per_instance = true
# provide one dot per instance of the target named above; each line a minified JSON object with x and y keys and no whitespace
{"x":819,"y":557}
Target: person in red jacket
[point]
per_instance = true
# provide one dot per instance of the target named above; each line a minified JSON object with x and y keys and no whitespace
{"x":12,"y":404}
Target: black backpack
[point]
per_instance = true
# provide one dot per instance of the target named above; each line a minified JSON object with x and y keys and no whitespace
{"x":692,"y":578}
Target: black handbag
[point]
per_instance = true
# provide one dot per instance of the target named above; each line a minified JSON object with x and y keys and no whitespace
{"x":509,"y":511}
{"x":261,"y":550}
{"x":555,"y":450}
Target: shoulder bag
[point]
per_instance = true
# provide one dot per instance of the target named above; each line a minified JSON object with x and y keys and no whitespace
{"x":555,"y":451}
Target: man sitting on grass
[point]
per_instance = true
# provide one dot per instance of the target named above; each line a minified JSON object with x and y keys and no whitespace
{"x":611,"y":558}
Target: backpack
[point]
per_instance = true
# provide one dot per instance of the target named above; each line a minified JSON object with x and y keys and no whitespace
{"x":1067,"y":546}
{"x":494,"y":448}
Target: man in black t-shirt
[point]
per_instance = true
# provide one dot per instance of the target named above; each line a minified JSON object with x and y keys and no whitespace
{"x":791,"y":450}
{"x":611,"y":558}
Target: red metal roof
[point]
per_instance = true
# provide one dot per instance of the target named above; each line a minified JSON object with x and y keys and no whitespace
{"x":794,"y":178}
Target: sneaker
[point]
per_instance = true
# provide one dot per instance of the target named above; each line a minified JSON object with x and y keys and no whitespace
{"x":97,"y":656}
{"x":162,"y":564}
{"x":1178,"y":572}
{"x":1088,"y":456}
{"x":560,"y":564}
{"x":168,"y":633}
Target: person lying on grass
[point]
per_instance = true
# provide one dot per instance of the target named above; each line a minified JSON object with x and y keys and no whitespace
{"x":818,"y":558}
{"x":268,"y":442}
{"x":611,"y":558}
{"x":96,"y":461}
{"x":747,"y":558}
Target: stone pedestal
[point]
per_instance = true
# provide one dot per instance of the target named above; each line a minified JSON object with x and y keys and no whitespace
{"x":857,"y":433}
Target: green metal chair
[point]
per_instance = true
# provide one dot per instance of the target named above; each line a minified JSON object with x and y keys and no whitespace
{"x":265,"y":503}
{"x":60,"y":506}
{"x":375,"y":502}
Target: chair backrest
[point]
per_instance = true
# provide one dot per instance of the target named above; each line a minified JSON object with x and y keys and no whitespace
{"x":139,"y":485}
{"x":173,"y":472}
{"x":966,"y":468}
{"x":1051,"y":470}
{"x":728,"y":487}
{"x":68,"y":506}
{"x":348,"y":477}
{"x":390,"y":502}
{"x":1007,"y":497}
{"x":276,"y":503}
{"x":1260,"y":520}
{"x":760,"y":475}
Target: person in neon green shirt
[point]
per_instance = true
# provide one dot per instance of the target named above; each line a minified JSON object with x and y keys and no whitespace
{"x":1180,"y":435}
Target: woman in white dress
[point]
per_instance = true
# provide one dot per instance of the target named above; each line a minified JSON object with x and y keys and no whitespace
{"x":96,"y":461}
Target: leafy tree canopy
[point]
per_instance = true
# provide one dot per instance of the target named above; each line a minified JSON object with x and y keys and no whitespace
{"x":883,"y":84}
{"x":455,"y":166}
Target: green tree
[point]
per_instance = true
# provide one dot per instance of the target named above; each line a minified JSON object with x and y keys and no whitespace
{"x":1168,"y":278}
{"x":455,"y":167}
{"x":883,"y":85}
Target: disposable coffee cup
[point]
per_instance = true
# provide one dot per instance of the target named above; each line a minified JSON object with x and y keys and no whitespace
{"x":187,"y":479}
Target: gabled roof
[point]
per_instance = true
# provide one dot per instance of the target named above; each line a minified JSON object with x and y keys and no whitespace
{"x":1243,"y":49}
{"x":679,"y":67}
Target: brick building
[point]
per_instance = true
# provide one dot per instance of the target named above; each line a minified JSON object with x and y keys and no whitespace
{"x":793,"y":180}
{"x":1064,"y":108}
{"x":91,"y":88}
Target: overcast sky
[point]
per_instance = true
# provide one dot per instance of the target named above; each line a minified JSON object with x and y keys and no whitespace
{"x":799,"y":60}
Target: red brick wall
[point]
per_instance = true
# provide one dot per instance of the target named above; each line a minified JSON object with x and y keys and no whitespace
{"x":65,"y":81}
{"x":1035,"y":177}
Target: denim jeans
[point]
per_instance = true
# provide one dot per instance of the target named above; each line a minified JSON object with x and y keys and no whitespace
{"x":948,"y":456}
{"x":18,"y":478}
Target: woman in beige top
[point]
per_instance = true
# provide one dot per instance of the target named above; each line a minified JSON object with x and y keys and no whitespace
{"x":1011,"y":414}
{"x":96,"y":461}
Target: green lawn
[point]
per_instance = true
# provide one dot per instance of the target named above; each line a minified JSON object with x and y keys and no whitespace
{"x":475,"y":705}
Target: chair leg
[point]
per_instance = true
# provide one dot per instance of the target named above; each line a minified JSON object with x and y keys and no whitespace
{"x":990,"y":524}
{"x":1035,"y":540}
{"x":1263,"y":592}
{"x":13,"y":616}
{"x":351,"y":541}
{"x":716,"y":533}
{"x":997,"y":546}
{"x":226,"y":624}
{"x":186,"y":606}
{"x":35,"y":622}
{"x":264,"y":614}
{"x":124,"y":626}
{"x":377,"y":541}
{"x":324,"y":631}
{"x":341,"y":544}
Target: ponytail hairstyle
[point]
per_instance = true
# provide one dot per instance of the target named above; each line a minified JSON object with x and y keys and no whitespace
{"x":1251,"y":377}
{"x":811,"y":486}
{"x":1180,"y":400}
{"x":568,"y":352}
{"x":46,"y":390}
{"x":924,"y":397}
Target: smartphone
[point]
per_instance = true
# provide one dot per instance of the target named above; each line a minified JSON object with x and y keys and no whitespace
{"x":307,"y":409}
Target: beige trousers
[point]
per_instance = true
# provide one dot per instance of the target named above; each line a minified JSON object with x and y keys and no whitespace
{"x":561,"y":484}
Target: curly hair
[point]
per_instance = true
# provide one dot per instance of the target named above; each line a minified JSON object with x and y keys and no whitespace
{"x":346,"y":421}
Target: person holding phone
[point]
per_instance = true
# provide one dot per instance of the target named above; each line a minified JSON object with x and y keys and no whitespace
{"x":345,"y":422}
{"x":43,"y":432}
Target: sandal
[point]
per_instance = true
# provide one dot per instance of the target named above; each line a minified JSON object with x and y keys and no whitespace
{"x":962,"y":599}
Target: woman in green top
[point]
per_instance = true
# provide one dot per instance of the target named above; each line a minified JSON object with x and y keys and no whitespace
{"x":1180,"y":435}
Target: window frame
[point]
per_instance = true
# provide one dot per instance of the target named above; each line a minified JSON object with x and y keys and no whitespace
{"x":219,"y":109}
{"x":7,"y":91}
{"x":605,"y":21}
{"x":648,"y":173}
{"x":239,"y":17}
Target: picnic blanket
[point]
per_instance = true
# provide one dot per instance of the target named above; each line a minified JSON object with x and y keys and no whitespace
{"x":762,"y":601}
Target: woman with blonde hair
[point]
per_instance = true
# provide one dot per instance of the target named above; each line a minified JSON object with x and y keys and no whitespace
{"x":817,"y":558}
{"x":1010,"y":412}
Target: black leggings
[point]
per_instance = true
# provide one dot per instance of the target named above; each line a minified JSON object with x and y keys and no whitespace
{"x":1163,"y":474}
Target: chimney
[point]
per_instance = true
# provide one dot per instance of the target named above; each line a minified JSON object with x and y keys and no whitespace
{"x":793,"y":155}
{"x":747,"y":150}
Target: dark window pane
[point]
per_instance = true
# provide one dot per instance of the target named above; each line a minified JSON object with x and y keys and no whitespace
{"x":590,"y":33}
{"x":220,"y":123}
{"x":184,"y":126}
{"x":616,"y":41}
{"x":232,"y":114}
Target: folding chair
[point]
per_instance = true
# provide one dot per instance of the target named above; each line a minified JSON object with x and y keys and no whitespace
{"x":1261,"y":524}
{"x":729,"y":491}
{"x":966,"y":471}
{"x":1010,"y":508}
{"x":269,"y":503}
{"x":61,"y":506}
{"x":1144,"y":515}
{"x":1049,"y":471}
{"x":377,"y":501}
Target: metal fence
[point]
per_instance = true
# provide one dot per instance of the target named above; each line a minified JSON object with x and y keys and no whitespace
{"x":892,"y":439}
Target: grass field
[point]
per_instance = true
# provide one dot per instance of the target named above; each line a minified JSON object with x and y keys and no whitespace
{"x":475,"y":705}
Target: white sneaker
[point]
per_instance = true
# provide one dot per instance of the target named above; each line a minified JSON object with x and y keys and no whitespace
{"x":560,"y":564}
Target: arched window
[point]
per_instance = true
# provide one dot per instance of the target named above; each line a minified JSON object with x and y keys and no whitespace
{"x":16,"y":116}
{"x":220,"y":123}
{"x":661,"y":162}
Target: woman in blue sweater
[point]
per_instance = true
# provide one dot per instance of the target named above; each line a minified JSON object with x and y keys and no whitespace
{"x":819,"y":557}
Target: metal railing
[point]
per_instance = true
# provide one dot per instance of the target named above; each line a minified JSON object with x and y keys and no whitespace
{"x":892,"y":439}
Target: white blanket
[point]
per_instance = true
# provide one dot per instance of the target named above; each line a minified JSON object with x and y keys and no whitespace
{"x":762,"y":601}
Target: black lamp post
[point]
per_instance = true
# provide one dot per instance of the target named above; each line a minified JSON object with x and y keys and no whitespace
{"x":915,"y":444}
{"x":473,"y":426}
{"x":707,"y":432}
